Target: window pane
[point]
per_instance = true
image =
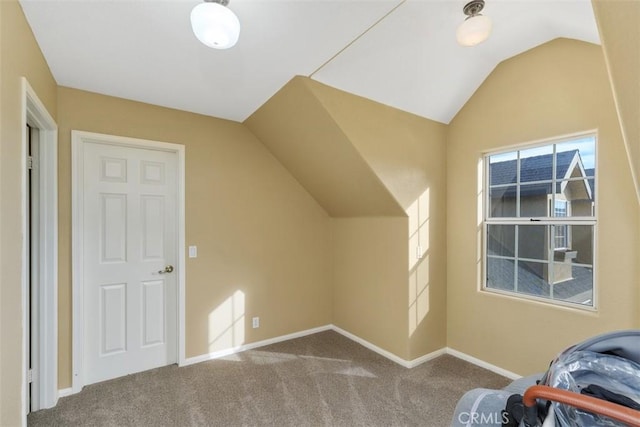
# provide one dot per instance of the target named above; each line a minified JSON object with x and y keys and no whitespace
{"x":536,"y":164}
{"x":502,"y":169}
{"x":585,"y":147}
{"x":573,"y":243}
{"x":534,"y":200}
{"x":532,"y":241}
{"x":579,"y":195}
{"x":581,"y":242}
{"x":575,"y":173}
{"x":532,"y":278}
{"x":501,"y":240}
{"x":503,"y":202}
{"x":576,"y":285}
{"x":500,"y":274}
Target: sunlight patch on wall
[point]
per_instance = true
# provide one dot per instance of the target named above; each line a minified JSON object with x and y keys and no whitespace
{"x":418,"y":294}
{"x":227,"y":323}
{"x":418,"y":213}
{"x":419,"y":244}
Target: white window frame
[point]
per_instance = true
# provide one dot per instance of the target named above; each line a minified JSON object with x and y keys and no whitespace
{"x":546,"y":221}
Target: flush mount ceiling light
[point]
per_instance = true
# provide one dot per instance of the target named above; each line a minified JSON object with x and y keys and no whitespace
{"x":215,"y":25}
{"x":476,"y":27}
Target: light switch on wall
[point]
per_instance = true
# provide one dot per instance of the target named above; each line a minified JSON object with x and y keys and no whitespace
{"x":193,"y":252}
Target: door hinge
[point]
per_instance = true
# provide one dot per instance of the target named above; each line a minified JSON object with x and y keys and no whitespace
{"x":30,"y":375}
{"x":31,"y":162}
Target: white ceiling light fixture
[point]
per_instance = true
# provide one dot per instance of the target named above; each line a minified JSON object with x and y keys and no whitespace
{"x":215,"y":25}
{"x":476,"y":27}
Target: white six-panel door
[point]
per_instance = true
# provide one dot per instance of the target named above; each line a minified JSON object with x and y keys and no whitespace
{"x":129,"y":229}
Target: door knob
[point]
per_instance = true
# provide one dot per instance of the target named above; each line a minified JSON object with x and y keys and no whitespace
{"x":167,"y":269}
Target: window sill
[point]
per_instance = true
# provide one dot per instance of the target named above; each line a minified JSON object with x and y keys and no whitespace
{"x":531,"y":299}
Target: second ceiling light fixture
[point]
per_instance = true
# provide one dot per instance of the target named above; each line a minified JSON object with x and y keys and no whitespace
{"x":476,"y":27}
{"x":215,"y":25}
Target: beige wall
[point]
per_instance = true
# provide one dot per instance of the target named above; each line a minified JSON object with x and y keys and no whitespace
{"x":556,"y":89}
{"x":404,"y":150}
{"x":370,"y":280}
{"x":300,"y":132}
{"x":349,"y":151}
{"x":407,"y":153}
{"x":263,"y":242}
{"x":620,"y":35}
{"x":19,"y":56}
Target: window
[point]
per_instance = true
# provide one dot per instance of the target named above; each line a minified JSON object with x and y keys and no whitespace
{"x":539,"y":221}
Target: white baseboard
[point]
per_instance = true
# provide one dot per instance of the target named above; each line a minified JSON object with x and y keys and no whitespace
{"x":367,"y":344}
{"x":400,"y":361}
{"x":427,"y":357}
{"x":251,"y":346}
{"x":482,"y":364}
{"x":430,"y":356}
{"x":64,"y":392}
{"x":384,"y":353}
{"x":372,"y":347}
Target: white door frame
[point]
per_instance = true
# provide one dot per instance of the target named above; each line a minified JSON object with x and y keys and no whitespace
{"x":45,"y":313}
{"x":78,"y":139}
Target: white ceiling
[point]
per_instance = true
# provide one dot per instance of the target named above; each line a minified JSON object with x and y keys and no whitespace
{"x":401,"y":53}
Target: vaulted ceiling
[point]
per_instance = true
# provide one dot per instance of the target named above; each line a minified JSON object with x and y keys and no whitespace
{"x":401,"y":53}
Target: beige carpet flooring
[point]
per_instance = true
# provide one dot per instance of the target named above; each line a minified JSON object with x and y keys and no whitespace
{"x":323,"y":379}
